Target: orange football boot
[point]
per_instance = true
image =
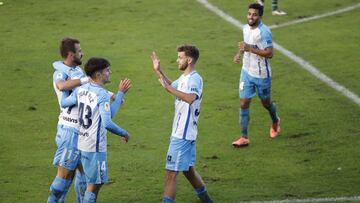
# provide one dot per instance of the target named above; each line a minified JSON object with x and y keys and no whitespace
{"x":241,"y":142}
{"x":275,"y":129}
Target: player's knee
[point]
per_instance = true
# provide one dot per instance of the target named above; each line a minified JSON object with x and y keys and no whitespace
{"x":187,"y":174}
{"x":94,"y":188}
{"x":65,"y":173}
{"x":266,"y":104}
{"x":190,"y":172}
{"x":171,"y":175}
{"x":244,"y":105}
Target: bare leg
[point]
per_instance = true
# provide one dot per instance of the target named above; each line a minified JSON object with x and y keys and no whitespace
{"x":194,"y":178}
{"x":198,"y":184}
{"x":170,"y":184}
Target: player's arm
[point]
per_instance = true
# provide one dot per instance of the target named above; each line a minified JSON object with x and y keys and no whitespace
{"x":61,"y":77}
{"x":124,"y":86}
{"x":156,"y":66}
{"x":109,"y":124}
{"x":186,"y":97}
{"x":237,"y":57}
{"x":71,"y":83}
{"x":116,"y":104}
{"x":267,"y":52}
{"x":70,"y":100}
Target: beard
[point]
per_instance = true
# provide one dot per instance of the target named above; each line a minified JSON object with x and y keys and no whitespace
{"x":107,"y":79}
{"x":183,"y":67}
{"x":254,"y":22}
{"x":77,"y":61}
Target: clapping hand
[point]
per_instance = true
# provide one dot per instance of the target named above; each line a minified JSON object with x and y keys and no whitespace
{"x":156,"y":61}
{"x":124,"y":85}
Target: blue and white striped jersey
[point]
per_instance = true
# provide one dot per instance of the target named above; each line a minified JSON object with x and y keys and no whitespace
{"x":95,"y":114}
{"x":186,"y":116}
{"x":261,"y":38}
{"x":68,"y":116}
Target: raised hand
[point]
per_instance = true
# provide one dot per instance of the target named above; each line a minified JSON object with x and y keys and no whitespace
{"x":156,"y":61}
{"x":124,"y":85}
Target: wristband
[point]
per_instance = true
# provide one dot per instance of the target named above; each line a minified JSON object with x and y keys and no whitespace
{"x":84,"y":80}
{"x":110,"y":93}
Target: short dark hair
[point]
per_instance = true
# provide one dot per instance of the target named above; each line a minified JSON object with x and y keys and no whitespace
{"x":258,"y":7}
{"x":94,"y":65}
{"x":190,"y":50}
{"x":68,"y":45}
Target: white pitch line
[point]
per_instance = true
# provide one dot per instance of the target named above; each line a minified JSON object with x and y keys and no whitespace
{"x":328,"y":199}
{"x":304,"y":64}
{"x":346,"y":9}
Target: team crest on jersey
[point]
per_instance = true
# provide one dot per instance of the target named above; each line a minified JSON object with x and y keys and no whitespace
{"x":107,"y":106}
{"x":59,"y":76}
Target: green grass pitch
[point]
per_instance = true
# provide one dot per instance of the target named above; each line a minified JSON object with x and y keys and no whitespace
{"x":316,"y":156}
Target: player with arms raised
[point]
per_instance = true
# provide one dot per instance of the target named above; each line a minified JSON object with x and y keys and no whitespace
{"x":181,"y":154}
